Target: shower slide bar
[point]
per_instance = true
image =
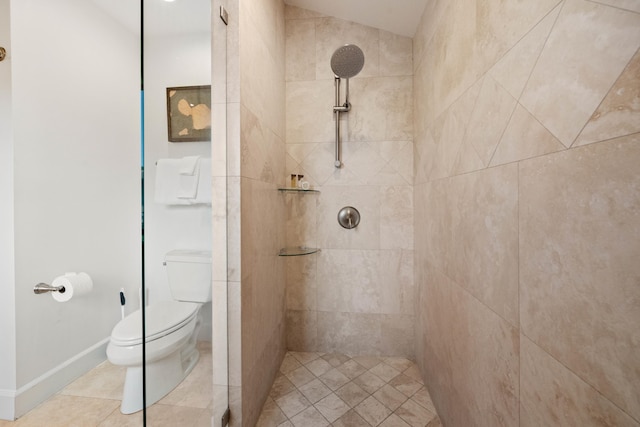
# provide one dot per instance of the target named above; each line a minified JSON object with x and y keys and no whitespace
{"x":346,"y":62}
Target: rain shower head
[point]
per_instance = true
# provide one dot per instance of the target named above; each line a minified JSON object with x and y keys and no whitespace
{"x":347,"y":61}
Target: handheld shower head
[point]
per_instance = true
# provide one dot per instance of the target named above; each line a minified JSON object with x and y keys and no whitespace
{"x":347,"y":61}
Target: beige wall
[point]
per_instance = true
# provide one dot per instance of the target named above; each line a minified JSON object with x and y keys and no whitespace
{"x":527,"y":195}
{"x":355,"y":296}
{"x":248,"y":209}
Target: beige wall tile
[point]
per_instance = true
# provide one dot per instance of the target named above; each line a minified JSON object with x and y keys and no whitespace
{"x":578,"y":65}
{"x":473,"y":235}
{"x":300,"y":57}
{"x":302,"y":330}
{"x":449,"y":132}
{"x":622,"y":4}
{"x":396,"y":217}
{"x":514,"y":68}
{"x":363,"y":333}
{"x":262,"y":152}
{"x":331,"y":235}
{"x":332,"y":33}
{"x":309,"y":111}
{"x":396,"y":55}
{"x":492,"y":112}
{"x":524,"y":138}
{"x":301,"y":282}
{"x":381,"y":109}
{"x":580,"y":237}
{"x":619,"y":112}
{"x":471,"y":358}
{"x":553,"y":395}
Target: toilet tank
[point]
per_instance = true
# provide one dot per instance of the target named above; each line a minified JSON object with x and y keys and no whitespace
{"x":189,"y":275}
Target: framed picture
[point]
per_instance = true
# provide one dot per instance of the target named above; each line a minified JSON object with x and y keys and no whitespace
{"x":189,"y":113}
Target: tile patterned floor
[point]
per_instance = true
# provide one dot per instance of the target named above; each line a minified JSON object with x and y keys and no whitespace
{"x":94,"y":400}
{"x":317,"y":390}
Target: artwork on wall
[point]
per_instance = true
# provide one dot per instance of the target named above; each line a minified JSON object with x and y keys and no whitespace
{"x":189,"y":113}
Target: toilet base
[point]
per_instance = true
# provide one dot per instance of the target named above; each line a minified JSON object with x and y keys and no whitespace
{"x":162,"y":376}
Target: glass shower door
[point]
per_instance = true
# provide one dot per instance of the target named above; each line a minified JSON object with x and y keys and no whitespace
{"x":177,"y":155}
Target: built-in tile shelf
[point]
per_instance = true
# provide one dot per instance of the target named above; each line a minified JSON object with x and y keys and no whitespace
{"x":297,"y":190}
{"x":297,"y":251}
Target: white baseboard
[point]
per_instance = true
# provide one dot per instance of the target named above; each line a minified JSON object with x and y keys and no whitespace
{"x":15,"y":403}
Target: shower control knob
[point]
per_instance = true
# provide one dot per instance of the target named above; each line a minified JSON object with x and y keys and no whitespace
{"x":349,"y":217}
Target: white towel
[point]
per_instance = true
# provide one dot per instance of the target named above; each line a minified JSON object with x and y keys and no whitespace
{"x":189,"y":174}
{"x":174,"y":188}
{"x":189,"y":165}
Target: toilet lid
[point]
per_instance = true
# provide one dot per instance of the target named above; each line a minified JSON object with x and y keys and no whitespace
{"x":161,"y":318}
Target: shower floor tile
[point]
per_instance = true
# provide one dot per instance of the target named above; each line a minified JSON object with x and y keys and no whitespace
{"x":349,"y":392}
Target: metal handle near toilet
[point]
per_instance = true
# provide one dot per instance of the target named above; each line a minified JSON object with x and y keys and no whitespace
{"x":43,"y":288}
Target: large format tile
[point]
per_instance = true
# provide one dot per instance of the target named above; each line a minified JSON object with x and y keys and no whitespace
{"x":578,"y":65}
{"x":471,"y":358}
{"x":514,"y":68}
{"x":619,"y":112}
{"x":472,"y":234}
{"x":579,"y":241}
{"x":523,"y":138}
{"x":553,"y":395}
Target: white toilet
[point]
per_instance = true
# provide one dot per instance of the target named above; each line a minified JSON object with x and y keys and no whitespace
{"x":171,"y":329}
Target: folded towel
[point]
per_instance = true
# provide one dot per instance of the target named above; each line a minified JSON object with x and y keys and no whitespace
{"x":189,"y":165}
{"x":189,"y":174}
{"x":175,"y":188}
{"x":168,"y":182}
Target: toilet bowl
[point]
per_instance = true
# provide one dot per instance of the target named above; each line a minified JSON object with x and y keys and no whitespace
{"x":171,"y":330}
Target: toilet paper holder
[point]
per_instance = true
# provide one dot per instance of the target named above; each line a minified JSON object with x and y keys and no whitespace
{"x":43,"y":288}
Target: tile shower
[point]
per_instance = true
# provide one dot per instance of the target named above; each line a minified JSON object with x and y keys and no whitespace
{"x":486,"y":156}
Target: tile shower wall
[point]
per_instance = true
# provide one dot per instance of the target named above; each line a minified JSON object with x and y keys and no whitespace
{"x":249,"y":161}
{"x":354,"y":296}
{"x":527,"y":195}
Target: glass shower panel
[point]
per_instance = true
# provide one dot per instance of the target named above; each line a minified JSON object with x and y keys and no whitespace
{"x":177,"y":212}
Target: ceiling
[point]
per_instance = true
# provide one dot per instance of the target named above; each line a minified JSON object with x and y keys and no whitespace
{"x":397,"y":16}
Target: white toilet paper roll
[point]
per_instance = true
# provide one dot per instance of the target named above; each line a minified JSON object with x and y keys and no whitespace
{"x":75,"y":284}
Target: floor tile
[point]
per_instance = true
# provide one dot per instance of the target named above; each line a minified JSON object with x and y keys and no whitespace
{"x":369,"y":382}
{"x":281,"y":386}
{"x":352,"y":394}
{"x":414,"y":414}
{"x":423,"y":399}
{"x":293,"y":403}
{"x":406,"y":385}
{"x":318,"y":367}
{"x":367,"y":361}
{"x":362,"y":391}
{"x":394,"y":421}
{"x":372,"y":411}
{"x":272,"y":415}
{"x":351,"y":419}
{"x":310,"y":417}
{"x":332,"y":407}
{"x":315,"y":390}
{"x":334,"y":379}
{"x":384,"y":371}
{"x":336,"y":359}
{"x":390,"y":397}
{"x":352,"y":369}
{"x":300,"y":376}
{"x":304,"y":357}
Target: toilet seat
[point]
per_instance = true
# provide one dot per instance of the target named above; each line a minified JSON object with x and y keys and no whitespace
{"x":161,"y":319}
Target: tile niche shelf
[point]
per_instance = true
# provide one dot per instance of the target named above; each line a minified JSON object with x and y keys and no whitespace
{"x":297,"y":250}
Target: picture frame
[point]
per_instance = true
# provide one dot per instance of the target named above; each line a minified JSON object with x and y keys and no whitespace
{"x":189,"y":113}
